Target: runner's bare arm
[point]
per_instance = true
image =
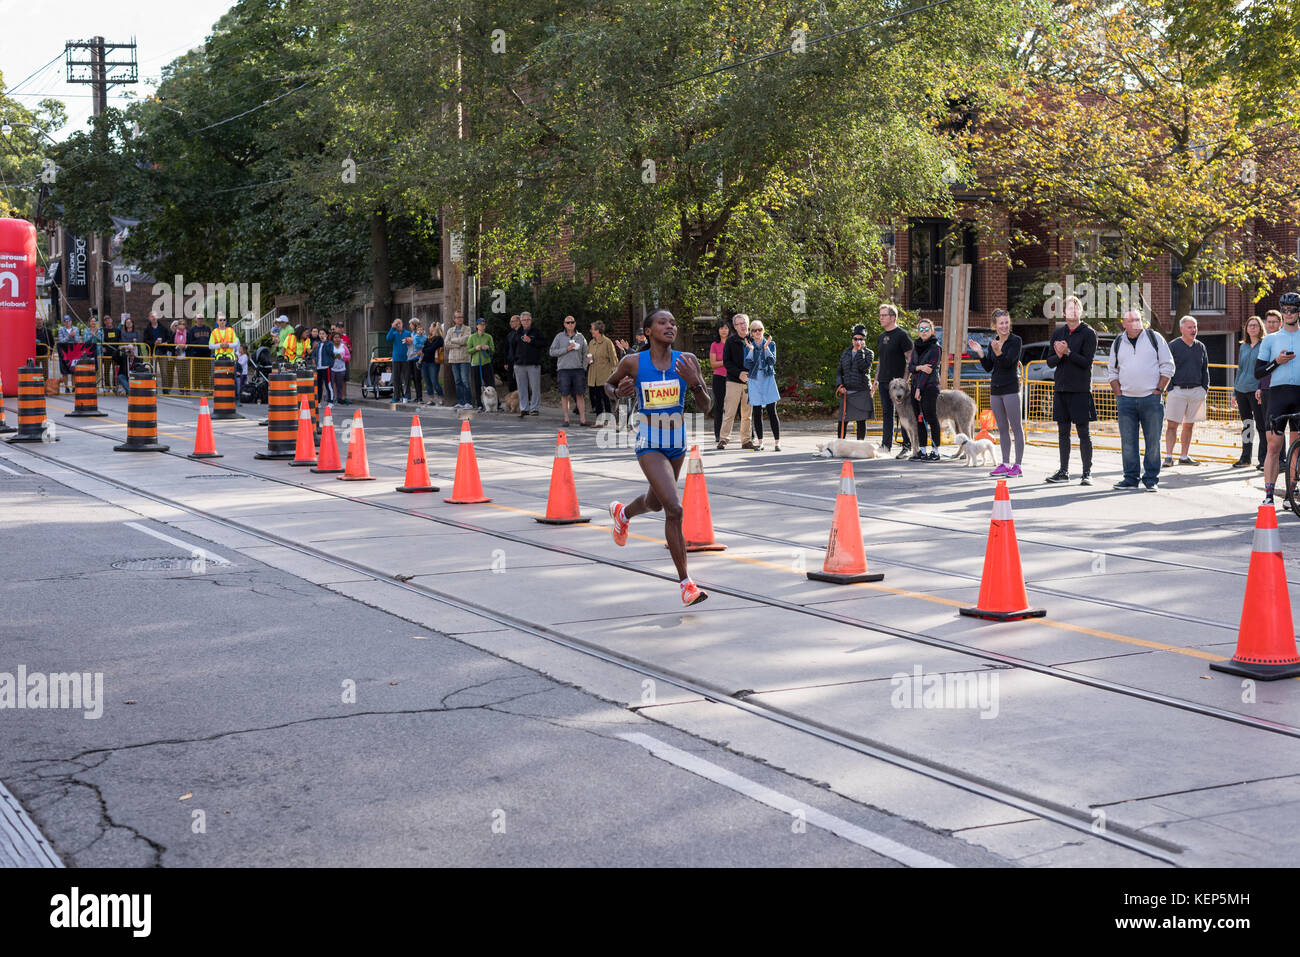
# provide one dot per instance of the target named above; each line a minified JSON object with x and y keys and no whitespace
{"x":622,"y":381}
{"x":688,"y":367}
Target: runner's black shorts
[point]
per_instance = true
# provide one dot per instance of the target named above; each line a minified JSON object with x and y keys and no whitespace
{"x":1283,"y":402}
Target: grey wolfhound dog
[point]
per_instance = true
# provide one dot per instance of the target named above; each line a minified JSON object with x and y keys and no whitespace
{"x":955,"y":407}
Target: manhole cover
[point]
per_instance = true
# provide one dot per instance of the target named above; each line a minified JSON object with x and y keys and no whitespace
{"x":168,"y":564}
{"x":221,"y":475}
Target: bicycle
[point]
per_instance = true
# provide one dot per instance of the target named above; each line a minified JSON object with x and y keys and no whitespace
{"x":1289,"y":459}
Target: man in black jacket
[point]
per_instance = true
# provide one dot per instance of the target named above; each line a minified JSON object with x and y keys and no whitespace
{"x":893,"y":349}
{"x":1070,"y":353}
{"x":733,"y":360}
{"x":527,"y":359}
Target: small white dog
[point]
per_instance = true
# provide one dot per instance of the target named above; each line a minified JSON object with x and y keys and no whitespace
{"x":489,"y":398}
{"x":974,"y":450}
{"x":846,"y":449}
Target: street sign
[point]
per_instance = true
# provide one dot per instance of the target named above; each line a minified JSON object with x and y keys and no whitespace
{"x":122,"y":277}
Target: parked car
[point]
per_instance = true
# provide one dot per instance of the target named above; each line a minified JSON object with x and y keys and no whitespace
{"x":1038,"y":351}
{"x":1034,"y":355}
{"x":971,"y":370}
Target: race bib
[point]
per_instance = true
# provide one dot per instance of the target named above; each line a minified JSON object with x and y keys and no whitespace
{"x":661,"y":395}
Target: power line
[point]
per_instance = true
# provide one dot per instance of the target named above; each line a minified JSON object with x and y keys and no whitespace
{"x":58,"y":56}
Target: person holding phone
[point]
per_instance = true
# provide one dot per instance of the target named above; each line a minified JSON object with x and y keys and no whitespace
{"x":397,"y":339}
{"x":1276,"y":359}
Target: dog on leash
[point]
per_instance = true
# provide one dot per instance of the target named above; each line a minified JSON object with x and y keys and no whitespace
{"x":954,"y":406}
{"x":975,"y":450}
{"x":489,"y":399}
{"x":512,"y":402}
{"x":846,"y":449}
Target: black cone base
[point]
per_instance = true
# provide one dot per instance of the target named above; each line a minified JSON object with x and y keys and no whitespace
{"x":84,"y":415}
{"x":6,"y":428}
{"x":1003,"y":615}
{"x":326,"y":471}
{"x":273,"y":455}
{"x":40,"y":437}
{"x":418,"y":488}
{"x":561,"y":521}
{"x":204,"y":455}
{"x":845,"y":579}
{"x":1258,"y":672}
{"x":147,"y":447}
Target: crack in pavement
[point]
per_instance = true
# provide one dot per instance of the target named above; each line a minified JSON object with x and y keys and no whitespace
{"x":1207,"y":787}
{"x":486,"y":706}
{"x":84,"y":760}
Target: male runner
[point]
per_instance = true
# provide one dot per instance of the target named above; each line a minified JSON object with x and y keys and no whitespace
{"x":659,"y":377}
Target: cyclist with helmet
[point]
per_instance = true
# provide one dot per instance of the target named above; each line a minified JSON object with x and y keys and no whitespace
{"x":1276,"y":359}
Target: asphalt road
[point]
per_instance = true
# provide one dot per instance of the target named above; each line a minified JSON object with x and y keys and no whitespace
{"x":251,"y":717}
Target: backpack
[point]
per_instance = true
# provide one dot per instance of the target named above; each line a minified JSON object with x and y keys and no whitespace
{"x":1119,"y":341}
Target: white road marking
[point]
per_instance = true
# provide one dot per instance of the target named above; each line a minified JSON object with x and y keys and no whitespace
{"x":210,"y":556}
{"x":774,"y":799}
{"x":9,"y":470}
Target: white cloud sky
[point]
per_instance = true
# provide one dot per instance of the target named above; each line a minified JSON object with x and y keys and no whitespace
{"x":35,"y":31}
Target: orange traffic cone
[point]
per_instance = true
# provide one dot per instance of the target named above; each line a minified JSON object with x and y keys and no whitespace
{"x":305,"y":453}
{"x":357,"y":469}
{"x":205,"y":447}
{"x":466,"y":489}
{"x":846,"y":560}
{"x":697,"y":517}
{"x":1266,"y":647}
{"x":417,"y":468}
{"x":329,"y":446}
{"x":987,"y":421}
{"x":562,"y":502}
{"x":1002,"y":589}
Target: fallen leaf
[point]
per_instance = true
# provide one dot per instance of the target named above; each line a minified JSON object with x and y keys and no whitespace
{"x":186,"y":796}
{"x":392,"y":682}
{"x":128,"y":702}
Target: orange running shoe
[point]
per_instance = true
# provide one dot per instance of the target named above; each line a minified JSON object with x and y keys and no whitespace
{"x":691,"y":593}
{"x":620,"y":524}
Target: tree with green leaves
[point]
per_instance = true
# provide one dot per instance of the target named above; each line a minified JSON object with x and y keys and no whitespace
{"x":1115,"y":126}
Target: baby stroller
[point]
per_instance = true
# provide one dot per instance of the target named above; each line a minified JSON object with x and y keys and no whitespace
{"x":379,"y":377}
{"x":258,"y":386}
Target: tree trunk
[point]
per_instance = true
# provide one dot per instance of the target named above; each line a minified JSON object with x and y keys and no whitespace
{"x":1186,"y":299}
{"x":381,"y":289}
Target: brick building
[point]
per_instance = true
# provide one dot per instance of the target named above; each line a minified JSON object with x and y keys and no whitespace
{"x":922,"y":248}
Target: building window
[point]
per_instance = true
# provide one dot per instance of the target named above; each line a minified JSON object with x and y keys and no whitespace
{"x":935,"y":244}
{"x":1100,"y":254}
{"x":1207,"y":295}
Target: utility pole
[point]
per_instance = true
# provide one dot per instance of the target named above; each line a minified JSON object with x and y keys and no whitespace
{"x":100,"y":73}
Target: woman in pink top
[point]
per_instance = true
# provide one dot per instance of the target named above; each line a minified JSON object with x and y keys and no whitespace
{"x":182,"y":364}
{"x":719,"y":376}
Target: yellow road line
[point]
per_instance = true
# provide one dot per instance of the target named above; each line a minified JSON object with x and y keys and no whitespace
{"x":885,"y":589}
{"x":905,"y":593}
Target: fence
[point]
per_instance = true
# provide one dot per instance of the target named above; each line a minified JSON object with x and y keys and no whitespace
{"x":177,"y":375}
{"x":1036,"y":387}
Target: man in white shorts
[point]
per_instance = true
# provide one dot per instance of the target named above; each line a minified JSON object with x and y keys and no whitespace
{"x":1185,"y":401}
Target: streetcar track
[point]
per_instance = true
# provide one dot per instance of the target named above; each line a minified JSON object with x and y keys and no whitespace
{"x":749,"y":596}
{"x":1043,"y":808}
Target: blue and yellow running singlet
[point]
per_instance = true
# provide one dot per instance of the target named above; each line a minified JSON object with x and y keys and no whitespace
{"x":661,"y":405}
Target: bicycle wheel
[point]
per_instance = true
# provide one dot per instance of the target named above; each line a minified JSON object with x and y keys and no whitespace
{"x":1292,"y":466}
